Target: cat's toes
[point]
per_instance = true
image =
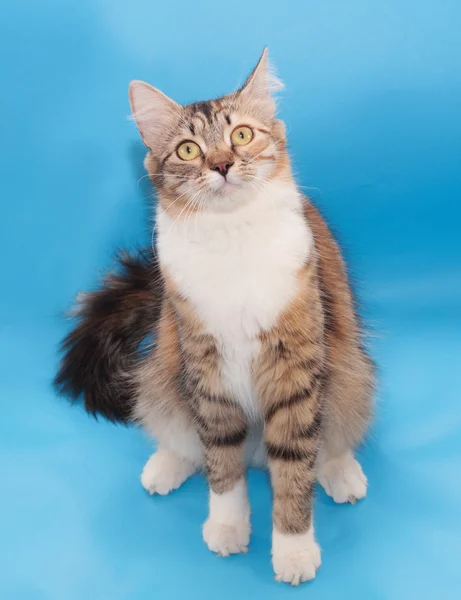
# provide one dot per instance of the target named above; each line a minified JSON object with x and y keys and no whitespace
{"x":165,"y":471}
{"x":343,"y":479}
{"x":295,"y":557}
{"x":226,"y":539}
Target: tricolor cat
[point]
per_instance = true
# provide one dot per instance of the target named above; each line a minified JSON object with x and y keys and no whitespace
{"x":258,"y":356}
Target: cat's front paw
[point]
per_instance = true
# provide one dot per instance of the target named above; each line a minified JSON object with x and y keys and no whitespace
{"x":295,"y":557}
{"x":226,"y":539}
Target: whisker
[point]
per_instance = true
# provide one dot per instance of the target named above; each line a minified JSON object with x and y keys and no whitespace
{"x":189,"y":212}
{"x":307,"y":187}
{"x":264,"y":180}
{"x":264,"y":150}
{"x":169,"y":175}
{"x":198,"y":185}
{"x":200,"y":208}
{"x":184,"y":207}
{"x":260,"y":181}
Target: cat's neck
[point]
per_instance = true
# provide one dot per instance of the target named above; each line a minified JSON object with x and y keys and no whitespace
{"x":272,"y":201}
{"x":238,"y":269}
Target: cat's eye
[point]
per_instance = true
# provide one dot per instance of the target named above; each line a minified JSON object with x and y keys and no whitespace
{"x":188,"y":150}
{"x":241,"y":136}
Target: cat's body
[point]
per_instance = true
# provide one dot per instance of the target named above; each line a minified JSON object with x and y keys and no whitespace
{"x":258,"y":356}
{"x":238,"y":271}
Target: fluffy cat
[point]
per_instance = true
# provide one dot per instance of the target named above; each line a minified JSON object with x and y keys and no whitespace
{"x":258,"y":356}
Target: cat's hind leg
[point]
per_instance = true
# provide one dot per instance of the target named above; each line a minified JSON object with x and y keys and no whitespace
{"x":164,"y":413}
{"x":179,"y":452}
{"x":166,"y":471}
{"x":348,"y":401}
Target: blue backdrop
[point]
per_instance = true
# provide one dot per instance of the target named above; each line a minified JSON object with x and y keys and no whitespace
{"x":372,"y":105}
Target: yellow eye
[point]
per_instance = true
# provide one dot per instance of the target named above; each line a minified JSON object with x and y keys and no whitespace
{"x":188,"y":151}
{"x":242,"y":136}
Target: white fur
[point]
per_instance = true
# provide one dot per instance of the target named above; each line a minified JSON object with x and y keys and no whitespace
{"x":165,"y":471}
{"x":227,"y":530}
{"x":295,"y":557}
{"x":342,"y":478}
{"x":173,"y":431}
{"x":239,"y":270}
{"x":255,"y":448}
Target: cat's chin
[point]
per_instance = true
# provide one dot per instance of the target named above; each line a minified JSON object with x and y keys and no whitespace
{"x":227,"y":193}
{"x":235,"y":191}
{"x":229,"y":199}
{"x":227,"y":187}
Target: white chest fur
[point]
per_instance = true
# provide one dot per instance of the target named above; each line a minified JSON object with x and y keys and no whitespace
{"x":239,"y":270}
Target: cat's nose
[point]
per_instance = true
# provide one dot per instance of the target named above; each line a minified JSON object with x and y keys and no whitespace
{"x":222,"y":167}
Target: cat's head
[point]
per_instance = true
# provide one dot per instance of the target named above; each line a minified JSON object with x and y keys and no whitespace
{"x":217,"y":154}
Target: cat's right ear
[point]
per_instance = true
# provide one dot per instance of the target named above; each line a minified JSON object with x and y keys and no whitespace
{"x":153,"y":112}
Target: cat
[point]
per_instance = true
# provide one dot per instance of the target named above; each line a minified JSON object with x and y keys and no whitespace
{"x":258,"y":356}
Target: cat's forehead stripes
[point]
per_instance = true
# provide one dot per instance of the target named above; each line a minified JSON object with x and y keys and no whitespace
{"x":208,"y":115}
{"x":204,"y":108}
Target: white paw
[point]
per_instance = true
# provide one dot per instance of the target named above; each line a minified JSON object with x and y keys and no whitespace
{"x":226,"y":539}
{"x":343,"y":479}
{"x":165,"y":471}
{"x":295,"y":557}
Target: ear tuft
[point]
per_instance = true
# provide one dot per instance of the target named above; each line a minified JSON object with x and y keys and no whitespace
{"x":262,"y":84}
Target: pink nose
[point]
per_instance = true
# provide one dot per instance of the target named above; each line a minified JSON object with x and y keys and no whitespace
{"x":222,"y":167}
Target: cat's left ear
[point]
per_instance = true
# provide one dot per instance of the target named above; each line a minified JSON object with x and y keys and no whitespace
{"x":261,"y":87}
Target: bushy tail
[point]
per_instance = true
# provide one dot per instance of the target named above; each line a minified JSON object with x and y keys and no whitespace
{"x":100,"y":353}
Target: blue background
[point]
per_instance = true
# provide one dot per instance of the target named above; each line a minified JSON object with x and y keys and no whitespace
{"x":372,"y":106}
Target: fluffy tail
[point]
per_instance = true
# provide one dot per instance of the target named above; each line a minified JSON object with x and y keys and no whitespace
{"x":100,"y":353}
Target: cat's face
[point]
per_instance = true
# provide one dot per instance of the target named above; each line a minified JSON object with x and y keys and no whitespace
{"x":212,"y":155}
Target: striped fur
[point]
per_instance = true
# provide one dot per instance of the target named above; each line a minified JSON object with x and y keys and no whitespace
{"x":259,"y":358}
{"x":290,"y":373}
